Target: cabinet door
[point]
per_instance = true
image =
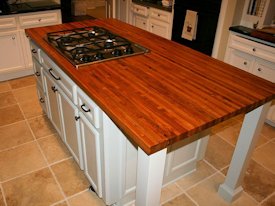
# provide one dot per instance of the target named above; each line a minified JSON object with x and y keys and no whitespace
{"x":11,"y":57}
{"x":91,"y":153}
{"x":53,"y":101}
{"x":140,"y":22}
{"x":159,"y":28}
{"x":71,"y":132}
{"x":27,"y":50}
{"x":239,"y":59}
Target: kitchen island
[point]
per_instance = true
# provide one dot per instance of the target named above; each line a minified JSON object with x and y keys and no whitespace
{"x":166,"y":96}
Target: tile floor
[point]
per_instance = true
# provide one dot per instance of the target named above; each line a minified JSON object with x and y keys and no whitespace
{"x":37,"y":170}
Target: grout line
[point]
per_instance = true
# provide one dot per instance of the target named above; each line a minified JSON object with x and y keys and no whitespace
{"x":16,"y":146}
{"x":59,"y":161}
{"x":12,"y":123}
{"x":10,"y":104}
{"x":261,"y":164}
{"x":267,"y":198}
{"x":3,"y":194}
{"x":189,"y":196}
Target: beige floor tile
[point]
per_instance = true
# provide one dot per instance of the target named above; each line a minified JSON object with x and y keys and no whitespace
{"x":231,"y":135}
{"x":265,"y":155}
{"x":10,"y":114}
{"x":219,"y":152}
{"x":41,"y":126}
{"x":70,"y":177}
{"x":15,"y":134}
{"x":169,"y":191}
{"x":7,"y":99}
{"x":5,"y":86}
{"x":202,"y":172}
{"x":205,"y":194}
{"x":20,"y":160}
{"x":35,"y":189}
{"x":61,"y":204}
{"x":258,"y":182}
{"x":22,"y":82}
{"x":31,"y":108}
{"x":181,"y":200}
{"x":270,"y":201}
{"x":25,"y":94}
{"x":86,"y":198}
{"x":53,"y":148}
{"x":268,"y":131}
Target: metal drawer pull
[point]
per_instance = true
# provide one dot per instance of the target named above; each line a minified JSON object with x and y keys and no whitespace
{"x":54,"y":89}
{"x":77,"y":118}
{"x":34,"y":51}
{"x":37,"y":74}
{"x":84,"y":109}
{"x":41,"y":100}
{"x":57,"y":78}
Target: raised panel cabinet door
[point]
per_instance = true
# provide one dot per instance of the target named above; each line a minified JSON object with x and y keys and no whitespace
{"x":71,"y":132}
{"x":91,"y":154}
{"x":140,"y":22}
{"x":239,"y":59}
{"x":11,"y":57}
{"x":159,"y":28}
{"x":26,"y":48}
{"x":53,"y":101}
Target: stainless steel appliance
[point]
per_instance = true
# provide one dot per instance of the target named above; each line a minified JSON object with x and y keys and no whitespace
{"x":94,"y":44}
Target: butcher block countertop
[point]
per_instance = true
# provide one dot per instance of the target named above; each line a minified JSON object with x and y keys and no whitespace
{"x":165,"y":95}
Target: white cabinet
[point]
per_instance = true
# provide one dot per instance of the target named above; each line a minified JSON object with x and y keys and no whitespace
{"x":91,"y":153}
{"x":15,"y":60}
{"x":11,"y":53}
{"x":154,"y":20}
{"x":253,"y":57}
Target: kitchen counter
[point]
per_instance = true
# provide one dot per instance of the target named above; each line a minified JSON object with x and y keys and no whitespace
{"x":157,"y":5}
{"x":167,"y":95}
{"x":27,"y":7}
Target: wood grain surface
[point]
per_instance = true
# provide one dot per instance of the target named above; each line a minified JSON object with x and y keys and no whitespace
{"x":165,"y":95}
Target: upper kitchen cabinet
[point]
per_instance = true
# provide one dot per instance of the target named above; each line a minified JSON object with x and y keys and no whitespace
{"x":257,"y":13}
{"x":15,"y":60}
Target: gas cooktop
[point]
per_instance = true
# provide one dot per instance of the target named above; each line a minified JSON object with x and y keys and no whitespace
{"x":89,"y":45}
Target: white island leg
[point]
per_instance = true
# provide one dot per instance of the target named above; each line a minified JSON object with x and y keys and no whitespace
{"x":249,"y":134}
{"x":150,"y":171}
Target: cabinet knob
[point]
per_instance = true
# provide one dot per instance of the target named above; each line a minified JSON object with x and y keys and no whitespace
{"x":34,"y":51}
{"x":259,"y":69}
{"x":254,"y":49}
{"x":54,"y":89}
{"x":13,"y":38}
{"x":39,"y":20}
{"x":158,"y":15}
{"x":37,"y":74}
{"x":41,"y":100}
{"x":143,"y":23}
{"x":245,"y":63}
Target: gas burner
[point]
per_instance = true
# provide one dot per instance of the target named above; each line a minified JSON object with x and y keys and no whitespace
{"x":93,"y":44}
{"x":108,"y":43}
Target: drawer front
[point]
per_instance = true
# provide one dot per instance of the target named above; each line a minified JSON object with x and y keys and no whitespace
{"x":39,"y":19}
{"x":63,"y":81}
{"x":7,"y":23}
{"x":36,"y":51}
{"x":141,"y":10}
{"x":37,"y":68}
{"x":88,"y":108}
{"x":264,"y":69}
{"x":253,"y":48}
{"x":160,"y":15}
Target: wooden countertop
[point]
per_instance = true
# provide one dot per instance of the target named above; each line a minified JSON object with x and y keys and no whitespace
{"x":163,"y":96}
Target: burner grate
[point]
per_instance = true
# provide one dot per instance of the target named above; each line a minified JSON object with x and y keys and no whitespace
{"x":89,"y":45}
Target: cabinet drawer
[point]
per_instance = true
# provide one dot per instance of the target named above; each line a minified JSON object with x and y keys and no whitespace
{"x":160,"y":15}
{"x":7,"y":23}
{"x":88,"y":108}
{"x":63,"y":81}
{"x":37,"y":69}
{"x":40,"y":19}
{"x":141,"y":10}
{"x":35,"y":50}
{"x":264,"y":69}
{"x":253,"y":48}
